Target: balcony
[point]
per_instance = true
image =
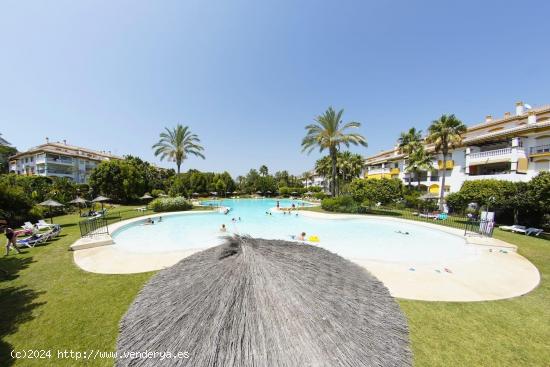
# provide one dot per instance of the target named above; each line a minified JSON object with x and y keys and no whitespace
{"x":377,"y":171}
{"x":448,"y":164}
{"x":496,"y":156}
{"x":540,"y":150}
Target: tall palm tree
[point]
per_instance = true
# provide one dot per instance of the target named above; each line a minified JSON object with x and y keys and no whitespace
{"x":445,"y":133}
{"x":408,"y":141}
{"x":178,"y":144}
{"x":264,"y":171}
{"x":419,"y":160}
{"x":307,"y":176}
{"x":329,"y":132}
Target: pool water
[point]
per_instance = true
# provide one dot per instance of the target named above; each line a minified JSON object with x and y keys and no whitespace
{"x":356,"y":238}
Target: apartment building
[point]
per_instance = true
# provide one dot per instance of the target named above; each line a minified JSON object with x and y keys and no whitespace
{"x":58,"y":159}
{"x":514,"y":147}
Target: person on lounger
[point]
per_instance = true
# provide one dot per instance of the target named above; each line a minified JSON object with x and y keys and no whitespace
{"x":11,"y":235}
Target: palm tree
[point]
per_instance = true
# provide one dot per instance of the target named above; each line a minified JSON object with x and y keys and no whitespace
{"x":408,"y":141}
{"x":177,"y":144}
{"x":307,"y":176}
{"x":419,"y":160}
{"x":329,"y":132}
{"x":263,"y":170}
{"x":445,"y":133}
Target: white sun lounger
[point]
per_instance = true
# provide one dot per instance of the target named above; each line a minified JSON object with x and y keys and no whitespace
{"x":515,"y":228}
{"x":43,"y":224}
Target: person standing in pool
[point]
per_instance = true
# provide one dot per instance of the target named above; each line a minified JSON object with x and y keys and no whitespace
{"x":11,"y":235}
{"x":278,"y":204}
{"x":223,"y":229}
{"x":301,"y":237}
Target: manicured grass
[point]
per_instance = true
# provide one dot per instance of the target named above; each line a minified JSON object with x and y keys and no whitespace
{"x":514,"y":332}
{"x":47,"y":302}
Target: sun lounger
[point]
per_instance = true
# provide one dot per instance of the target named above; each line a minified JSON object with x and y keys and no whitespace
{"x":41,"y":224}
{"x":515,"y":228}
{"x":532,"y":231}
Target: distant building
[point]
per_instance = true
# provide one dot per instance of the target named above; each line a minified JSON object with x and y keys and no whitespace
{"x":515,"y":147}
{"x":4,"y":142}
{"x":58,"y":160}
{"x":316,"y":180}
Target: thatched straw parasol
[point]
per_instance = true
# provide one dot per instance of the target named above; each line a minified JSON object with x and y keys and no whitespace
{"x":254,"y":302}
{"x":50,"y":203}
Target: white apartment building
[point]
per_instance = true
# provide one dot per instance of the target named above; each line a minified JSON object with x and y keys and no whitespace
{"x":515,"y":147}
{"x":58,"y":160}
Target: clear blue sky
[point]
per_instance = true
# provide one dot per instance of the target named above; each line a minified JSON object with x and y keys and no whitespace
{"x":247,"y":76}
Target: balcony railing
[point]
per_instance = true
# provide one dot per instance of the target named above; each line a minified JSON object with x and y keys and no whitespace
{"x":540,"y":149}
{"x":491,"y":153}
{"x":375,"y":171}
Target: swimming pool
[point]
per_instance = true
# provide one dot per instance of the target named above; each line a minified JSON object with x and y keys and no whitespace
{"x":353,"y":238}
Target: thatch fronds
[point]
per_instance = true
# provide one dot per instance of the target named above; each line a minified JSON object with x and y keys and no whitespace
{"x":254,"y":302}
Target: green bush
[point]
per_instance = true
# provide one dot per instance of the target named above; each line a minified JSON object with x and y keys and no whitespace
{"x":341,"y":204}
{"x":385,"y":190}
{"x":170,"y":204}
{"x":319,"y":195}
{"x":157,"y":192}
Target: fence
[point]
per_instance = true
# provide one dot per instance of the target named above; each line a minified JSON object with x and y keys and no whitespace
{"x":467,"y":224}
{"x":99,"y":226}
{"x":94,"y":227}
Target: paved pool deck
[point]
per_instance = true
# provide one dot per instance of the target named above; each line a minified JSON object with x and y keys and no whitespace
{"x":499,"y":272}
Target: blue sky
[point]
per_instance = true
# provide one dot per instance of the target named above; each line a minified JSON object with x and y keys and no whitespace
{"x":247,"y":76}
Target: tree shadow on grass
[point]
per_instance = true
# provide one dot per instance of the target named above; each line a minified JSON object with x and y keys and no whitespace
{"x":16,"y":304}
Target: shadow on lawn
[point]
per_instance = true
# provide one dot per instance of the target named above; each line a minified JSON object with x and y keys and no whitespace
{"x":16,"y":303}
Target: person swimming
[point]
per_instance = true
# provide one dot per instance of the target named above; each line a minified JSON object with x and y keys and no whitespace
{"x":148,"y":221}
{"x":223,"y":229}
{"x":401,"y":232}
{"x":160,"y":219}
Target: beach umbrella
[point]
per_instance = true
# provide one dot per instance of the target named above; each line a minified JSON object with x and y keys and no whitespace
{"x":50,"y":203}
{"x":195,"y":194}
{"x":235,"y":192}
{"x":271,"y":309}
{"x":294,"y":193}
{"x":309,"y":193}
{"x":100,"y":199}
{"x":78,"y":201}
{"x":258,"y":192}
{"x":215,"y":193}
{"x":146,"y":196}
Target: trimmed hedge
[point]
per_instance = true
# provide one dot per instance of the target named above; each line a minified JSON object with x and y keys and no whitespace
{"x":342,"y":204}
{"x":170,"y":204}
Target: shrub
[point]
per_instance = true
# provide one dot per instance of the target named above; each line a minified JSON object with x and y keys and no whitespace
{"x":320,"y":195}
{"x":385,"y":190}
{"x":170,"y":204}
{"x":157,"y":192}
{"x":341,"y":204}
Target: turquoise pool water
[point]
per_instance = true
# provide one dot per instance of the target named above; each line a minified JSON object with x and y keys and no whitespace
{"x":356,"y":238}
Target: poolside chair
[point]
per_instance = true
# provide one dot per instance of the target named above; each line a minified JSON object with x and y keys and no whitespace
{"x":532,"y":231}
{"x":32,"y":240}
{"x":514,"y":228}
{"x":27,"y":225}
{"x":41,"y":224}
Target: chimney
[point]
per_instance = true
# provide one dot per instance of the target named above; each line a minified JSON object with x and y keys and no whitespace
{"x":519,"y":108}
{"x":531,"y":117}
{"x":47,"y":140}
{"x":507,"y":115}
{"x":488,"y":118}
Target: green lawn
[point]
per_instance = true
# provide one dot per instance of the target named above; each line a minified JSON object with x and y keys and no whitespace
{"x":47,"y":302}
